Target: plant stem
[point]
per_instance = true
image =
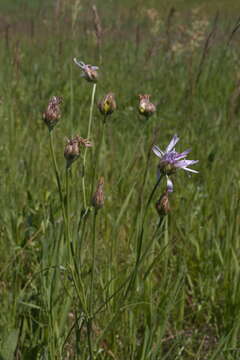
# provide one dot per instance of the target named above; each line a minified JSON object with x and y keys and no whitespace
{"x":93,"y":263}
{"x":91,"y":295}
{"x":85,"y":151}
{"x":98,"y":152}
{"x":57,"y":174}
{"x":140,"y":240}
{"x":89,"y":338}
{"x":67,"y":211}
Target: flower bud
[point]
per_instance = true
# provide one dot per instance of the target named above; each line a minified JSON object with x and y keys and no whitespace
{"x":146,"y":108}
{"x":71,"y":151}
{"x":89,"y":72}
{"x":72,"y":148}
{"x":98,"y":197}
{"x":162,"y":205}
{"x":108,"y":104}
{"x":52,"y":114}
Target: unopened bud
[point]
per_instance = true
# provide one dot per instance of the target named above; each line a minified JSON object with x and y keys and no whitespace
{"x":71,"y":151}
{"x":162,"y":205}
{"x":145,"y":107}
{"x":72,"y":148}
{"x":108,"y":104}
{"x":52,"y":114}
{"x":98,"y":197}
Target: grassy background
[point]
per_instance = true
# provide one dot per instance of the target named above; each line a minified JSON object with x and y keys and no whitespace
{"x":185,"y":301}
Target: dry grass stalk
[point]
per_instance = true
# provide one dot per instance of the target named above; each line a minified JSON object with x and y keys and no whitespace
{"x":206,"y":47}
{"x":98,"y":30}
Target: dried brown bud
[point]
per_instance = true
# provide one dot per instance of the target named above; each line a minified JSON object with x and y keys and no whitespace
{"x":162,"y":205}
{"x":108,"y":104}
{"x":52,"y":114}
{"x":72,"y":148}
{"x":146,"y":108}
{"x":98,"y":197}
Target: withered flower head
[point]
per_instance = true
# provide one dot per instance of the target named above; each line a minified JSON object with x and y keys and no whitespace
{"x":89,"y":72}
{"x":108,"y":104}
{"x":145,"y":107}
{"x":52,"y":114}
{"x":73,"y":148}
{"x":98,"y":197}
{"x":162,"y":205}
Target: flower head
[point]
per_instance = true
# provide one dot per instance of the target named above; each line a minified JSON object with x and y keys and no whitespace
{"x":171,"y":161}
{"x":72,"y":149}
{"x":145,"y":107}
{"x":107,"y":105}
{"x":89,"y":72}
{"x":52,"y":114}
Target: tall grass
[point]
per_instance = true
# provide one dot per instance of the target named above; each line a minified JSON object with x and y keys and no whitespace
{"x":119,"y":284}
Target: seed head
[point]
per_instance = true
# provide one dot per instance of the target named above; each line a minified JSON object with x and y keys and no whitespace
{"x":145,"y":107}
{"x":52,"y":114}
{"x":108,"y":104}
{"x":98,"y":197}
{"x":89,"y":72}
{"x":73,"y":148}
{"x":162,"y":205}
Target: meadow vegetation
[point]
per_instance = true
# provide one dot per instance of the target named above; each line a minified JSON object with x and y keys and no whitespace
{"x":119,"y":282}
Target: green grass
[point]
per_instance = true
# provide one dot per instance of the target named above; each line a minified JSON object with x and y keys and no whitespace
{"x":183,"y":298}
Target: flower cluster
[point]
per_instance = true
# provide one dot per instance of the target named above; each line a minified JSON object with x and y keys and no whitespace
{"x":170,"y":159}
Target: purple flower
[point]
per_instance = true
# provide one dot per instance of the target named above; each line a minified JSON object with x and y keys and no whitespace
{"x":170,"y":160}
{"x":89,"y":72}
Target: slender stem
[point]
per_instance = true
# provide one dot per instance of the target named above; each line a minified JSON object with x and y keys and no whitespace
{"x":57,"y":174}
{"x":140,"y":239}
{"x":91,"y":295}
{"x":67,"y":211}
{"x":89,"y":338}
{"x":98,"y":151}
{"x":93,"y":263}
{"x":85,"y":151}
{"x":144,"y":218}
{"x":81,"y":235}
{"x":67,"y":194}
{"x":91,"y":111}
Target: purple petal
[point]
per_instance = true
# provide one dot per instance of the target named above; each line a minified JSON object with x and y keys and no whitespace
{"x":79,"y":63}
{"x":169,"y":185}
{"x":184,"y":163}
{"x":183,"y":154}
{"x":190,"y":170}
{"x":157,"y":151}
{"x":172,"y":143}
